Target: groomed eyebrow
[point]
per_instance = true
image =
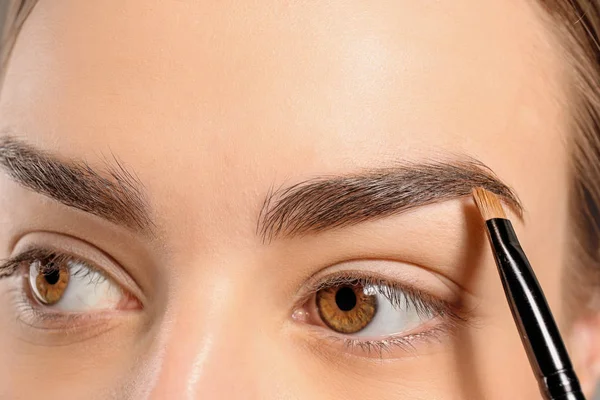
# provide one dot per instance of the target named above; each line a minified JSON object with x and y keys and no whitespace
{"x":115,"y":194}
{"x":330,"y":202}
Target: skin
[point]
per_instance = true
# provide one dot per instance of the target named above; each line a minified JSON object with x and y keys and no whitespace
{"x":211,"y":105}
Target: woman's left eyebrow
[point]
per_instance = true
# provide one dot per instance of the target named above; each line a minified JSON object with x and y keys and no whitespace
{"x":331,"y":202}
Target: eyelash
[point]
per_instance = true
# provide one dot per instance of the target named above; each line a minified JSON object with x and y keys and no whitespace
{"x":405,"y":343}
{"x":424,"y":303}
{"x":12,"y":265}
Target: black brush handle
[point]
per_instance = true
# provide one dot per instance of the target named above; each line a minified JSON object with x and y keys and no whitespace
{"x":540,"y":336}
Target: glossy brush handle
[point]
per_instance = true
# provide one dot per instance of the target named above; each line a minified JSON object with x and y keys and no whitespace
{"x":569,"y":396}
{"x":540,"y":336}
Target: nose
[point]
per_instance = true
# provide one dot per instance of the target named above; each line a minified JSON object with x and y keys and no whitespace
{"x":211,"y":365}
{"x":222,"y":344}
{"x":202,"y":350}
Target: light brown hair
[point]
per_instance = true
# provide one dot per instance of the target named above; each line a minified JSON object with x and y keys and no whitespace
{"x":576,"y":25}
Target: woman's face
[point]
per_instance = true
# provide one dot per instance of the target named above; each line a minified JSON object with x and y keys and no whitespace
{"x":192,"y":272}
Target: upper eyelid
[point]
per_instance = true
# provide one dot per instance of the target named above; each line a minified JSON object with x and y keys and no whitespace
{"x":40,"y":253}
{"x":405,"y":275}
{"x":342,"y":277}
{"x":438,"y":304}
{"x":9,"y":266}
{"x":379,"y":280}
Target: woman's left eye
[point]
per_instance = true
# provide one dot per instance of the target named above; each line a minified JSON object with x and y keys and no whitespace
{"x":61,"y":283}
{"x":376,"y":314}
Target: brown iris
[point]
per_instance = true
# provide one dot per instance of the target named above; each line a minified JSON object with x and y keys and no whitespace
{"x":51,"y":280}
{"x":346,"y":308}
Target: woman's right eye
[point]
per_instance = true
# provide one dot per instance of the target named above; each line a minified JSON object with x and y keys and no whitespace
{"x":63,"y":283}
{"x":48,"y":281}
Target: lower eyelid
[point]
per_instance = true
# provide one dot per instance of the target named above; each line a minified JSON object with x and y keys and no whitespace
{"x":427,"y":339}
{"x":57,"y":330}
{"x":418,"y":341}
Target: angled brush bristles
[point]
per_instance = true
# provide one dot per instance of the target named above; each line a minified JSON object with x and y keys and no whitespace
{"x":488,"y":204}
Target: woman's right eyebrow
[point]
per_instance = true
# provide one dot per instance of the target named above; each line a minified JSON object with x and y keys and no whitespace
{"x":330,"y":202}
{"x":115,"y":195}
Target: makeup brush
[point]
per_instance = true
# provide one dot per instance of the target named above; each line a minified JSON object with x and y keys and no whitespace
{"x":540,"y":336}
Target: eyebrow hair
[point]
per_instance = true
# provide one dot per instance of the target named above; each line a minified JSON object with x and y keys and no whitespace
{"x":330,"y":202}
{"x":116,"y":195}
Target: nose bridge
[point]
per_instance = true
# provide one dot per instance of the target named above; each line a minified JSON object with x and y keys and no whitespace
{"x":205,"y":344}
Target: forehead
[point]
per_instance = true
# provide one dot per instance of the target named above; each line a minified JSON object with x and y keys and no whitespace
{"x":233,"y":98}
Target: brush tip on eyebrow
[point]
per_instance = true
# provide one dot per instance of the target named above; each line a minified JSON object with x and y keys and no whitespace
{"x":488,"y":204}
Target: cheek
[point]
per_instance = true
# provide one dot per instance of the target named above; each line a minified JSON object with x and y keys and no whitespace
{"x":481,"y":363}
{"x":63,"y":372}
{"x":491,"y":362}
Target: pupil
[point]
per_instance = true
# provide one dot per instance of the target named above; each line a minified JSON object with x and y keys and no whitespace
{"x":345,"y":298}
{"x":52,"y":276}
